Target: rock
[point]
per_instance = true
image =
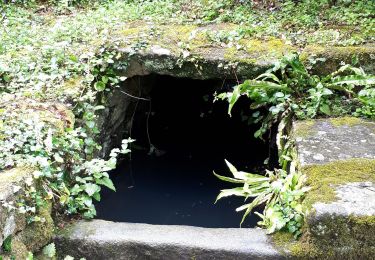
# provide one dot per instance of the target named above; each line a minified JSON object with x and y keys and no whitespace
{"x":100,"y":239}
{"x":38,"y":234}
{"x":328,"y":140}
{"x":338,"y":157}
{"x":10,"y":221}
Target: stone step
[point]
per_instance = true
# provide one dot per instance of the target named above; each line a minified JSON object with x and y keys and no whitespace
{"x":99,"y":239}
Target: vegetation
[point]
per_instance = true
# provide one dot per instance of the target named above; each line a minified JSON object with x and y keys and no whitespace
{"x":288,"y":88}
{"x":281,"y":192}
{"x":59,"y":56}
{"x":284,"y":93}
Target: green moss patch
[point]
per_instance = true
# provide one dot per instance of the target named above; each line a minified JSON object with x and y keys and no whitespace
{"x":345,"y":238}
{"x":304,"y":128}
{"x":346,"y":120}
{"x":38,"y":234}
{"x":323,"y":178}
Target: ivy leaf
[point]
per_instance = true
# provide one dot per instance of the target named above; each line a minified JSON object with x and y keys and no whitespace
{"x":90,"y":124}
{"x":105,"y":79}
{"x":106,"y":182}
{"x":58,"y":158}
{"x":49,"y":250}
{"x":99,"y":85}
{"x":91,"y":188}
{"x":97,"y":196}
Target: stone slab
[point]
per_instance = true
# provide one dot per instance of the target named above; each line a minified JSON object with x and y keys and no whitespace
{"x":99,"y":239}
{"x":357,"y":198}
{"x":338,"y":156}
{"x":327,"y":140}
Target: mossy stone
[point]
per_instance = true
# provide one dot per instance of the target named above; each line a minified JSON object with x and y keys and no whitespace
{"x":323,"y":178}
{"x":38,"y":234}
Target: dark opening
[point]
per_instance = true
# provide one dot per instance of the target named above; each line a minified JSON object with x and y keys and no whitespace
{"x":174,"y":184}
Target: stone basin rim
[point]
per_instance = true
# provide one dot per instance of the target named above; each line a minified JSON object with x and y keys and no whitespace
{"x":122,"y":240}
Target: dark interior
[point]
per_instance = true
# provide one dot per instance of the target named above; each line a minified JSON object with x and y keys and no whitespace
{"x":173,"y":184}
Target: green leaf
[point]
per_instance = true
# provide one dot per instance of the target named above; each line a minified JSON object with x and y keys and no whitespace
{"x":231,"y":192}
{"x":29,"y":256}
{"x":49,"y":250}
{"x":234,"y":97}
{"x":7,"y":244}
{"x":276,"y":220}
{"x":73,"y":58}
{"x":105,"y":79}
{"x":248,"y":177}
{"x":58,"y":158}
{"x":90,"y":124}
{"x":91,"y":188}
{"x":228,"y":179}
{"x":99,"y":85}
{"x":106,"y":182}
{"x":265,"y":76}
{"x":325,"y":109}
{"x":232,"y":169}
{"x":358,"y":80}
{"x":263,"y":197}
{"x":100,"y":107}
{"x":97,"y":196}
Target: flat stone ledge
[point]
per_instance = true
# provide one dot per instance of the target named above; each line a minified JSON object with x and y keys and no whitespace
{"x":99,"y":239}
{"x":328,"y":140}
{"x":356,"y":199}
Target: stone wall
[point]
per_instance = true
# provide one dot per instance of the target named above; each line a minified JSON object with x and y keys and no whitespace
{"x":338,"y":157}
{"x":18,"y":235}
{"x":21,"y":237}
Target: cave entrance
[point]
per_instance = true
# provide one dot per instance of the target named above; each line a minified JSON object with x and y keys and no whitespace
{"x":180,"y":140}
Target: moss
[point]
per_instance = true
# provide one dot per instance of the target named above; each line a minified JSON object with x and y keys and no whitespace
{"x":272,"y":46}
{"x":304,"y":128}
{"x":323,"y":178}
{"x":347,"y":120}
{"x":364,"y":220}
{"x":351,"y":238}
{"x":258,"y":50}
{"x":333,"y":237}
{"x":289,"y":246}
{"x":38,"y":234}
{"x":173,"y":34}
{"x":72,"y":87}
{"x":131,"y":31}
{"x":19,"y":250}
{"x":13,"y":176}
{"x":335,"y":55}
{"x":199,"y":43}
{"x":232,"y":54}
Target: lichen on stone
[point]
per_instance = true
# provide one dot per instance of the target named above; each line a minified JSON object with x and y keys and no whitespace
{"x":323,"y":178}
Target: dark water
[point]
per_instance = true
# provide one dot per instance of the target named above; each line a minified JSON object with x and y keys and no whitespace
{"x":178,"y":187}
